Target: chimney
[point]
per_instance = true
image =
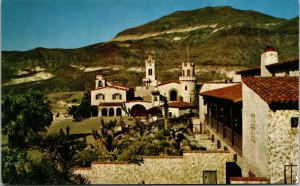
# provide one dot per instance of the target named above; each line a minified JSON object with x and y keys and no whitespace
{"x":270,"y":56}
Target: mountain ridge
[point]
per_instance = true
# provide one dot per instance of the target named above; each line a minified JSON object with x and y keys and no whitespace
{"x":217,"y":38}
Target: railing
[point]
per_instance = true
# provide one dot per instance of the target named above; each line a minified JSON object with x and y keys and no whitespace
{"x":237,"y":142}
{"x":221,"y":129}
{"x":232,"y":138}
{"x":228,"y":134}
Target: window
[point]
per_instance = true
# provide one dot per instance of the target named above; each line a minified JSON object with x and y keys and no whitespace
{"x":185,"y":87}
{"x":212,"y":138}
{"x":188,"y":73}
{"x":117,"y":96}
{"x":294,"y":122}
{"x":183,"y":74}
{"x":150,"y":72}
{"x":100,"y":97}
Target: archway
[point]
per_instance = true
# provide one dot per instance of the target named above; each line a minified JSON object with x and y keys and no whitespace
{"x":104,"y":112}
{"x":173,"y":95}
{"x":118,"y":112}
{"x":138,"y":110}
{"x":154,"y":111}
{"x":111,"y":112}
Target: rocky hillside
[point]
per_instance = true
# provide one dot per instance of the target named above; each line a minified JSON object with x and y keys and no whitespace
{"x":219,"y":39}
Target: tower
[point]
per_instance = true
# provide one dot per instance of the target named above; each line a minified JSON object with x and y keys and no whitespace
{"x":100,"y":81}
{"x":187,"y":81}
{"x":150,"y":79}
{"x":270,"y":56}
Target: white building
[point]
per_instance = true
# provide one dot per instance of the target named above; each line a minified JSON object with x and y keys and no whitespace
{"x":117,"y":100}
{"x":257,"y":121}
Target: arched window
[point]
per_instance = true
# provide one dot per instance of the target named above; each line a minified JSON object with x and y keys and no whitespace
{"x":188,"y":73}
{"x":111,"y":112}
{"x":183,"y":74}
{"x":185,"y":87}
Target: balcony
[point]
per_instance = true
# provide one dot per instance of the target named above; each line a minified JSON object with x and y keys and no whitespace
{"x":230,"y":137}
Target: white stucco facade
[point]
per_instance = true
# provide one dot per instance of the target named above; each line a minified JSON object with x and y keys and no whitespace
{"x":107,"y":94}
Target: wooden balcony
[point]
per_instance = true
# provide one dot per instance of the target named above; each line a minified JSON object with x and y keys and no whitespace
{"x":231,"y":138}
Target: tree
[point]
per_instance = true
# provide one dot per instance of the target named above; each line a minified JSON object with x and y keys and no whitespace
{"x":84,"y":110}
{"x":166,"y":111}
{"x":24,"y":115}
{"x":62,"y":153}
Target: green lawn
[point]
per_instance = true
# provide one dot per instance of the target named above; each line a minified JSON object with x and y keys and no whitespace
{"x":85,"y":126}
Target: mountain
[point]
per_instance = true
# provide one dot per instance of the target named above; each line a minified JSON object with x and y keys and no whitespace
{"x":219,"y":40}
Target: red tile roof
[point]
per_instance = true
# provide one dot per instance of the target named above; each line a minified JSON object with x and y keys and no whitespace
{"x":111,"y":104}
{"x":274,"y":89}
{"x":180,"y":104}
{"x":232,"y":93}
{"x":118,"y":87}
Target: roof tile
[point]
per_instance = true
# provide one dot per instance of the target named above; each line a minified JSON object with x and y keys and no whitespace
{"x":233,"y":93}
{"x":274,"y":89}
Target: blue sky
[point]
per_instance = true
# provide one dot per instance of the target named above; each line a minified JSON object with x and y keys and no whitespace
{"x":28,"y":24}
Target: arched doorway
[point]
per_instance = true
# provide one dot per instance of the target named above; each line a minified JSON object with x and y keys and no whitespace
{"x":111,"y":112}
{"x":138,"y":110}
{"x":118,"y":112}
{"x":173,"y":95}
{"x":104,"y":112}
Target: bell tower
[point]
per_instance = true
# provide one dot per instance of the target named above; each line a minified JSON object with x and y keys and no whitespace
{"x":150,"y":79}
{"x":187,"y":81}
{"x":100,"y":81}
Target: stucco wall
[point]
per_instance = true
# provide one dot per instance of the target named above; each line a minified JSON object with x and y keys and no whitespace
{"x":255,"y":128}
{"x":166,"y":88}
{"x":187,"y":169}
{"x":294,"y":73}
{"x":143,"y":92}
{"x":108,"y":92}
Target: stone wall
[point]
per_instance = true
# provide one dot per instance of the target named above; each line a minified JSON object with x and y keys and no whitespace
{"x":186,"y":169}
{"x":282,"y":144}
{"x":271,"y":142}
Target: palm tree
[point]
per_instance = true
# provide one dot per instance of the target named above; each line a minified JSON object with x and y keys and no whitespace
{"x":62,"y":153}
{"x":23,"y":115}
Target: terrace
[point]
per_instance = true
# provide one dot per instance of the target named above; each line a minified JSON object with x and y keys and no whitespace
{"x":224,"y":115}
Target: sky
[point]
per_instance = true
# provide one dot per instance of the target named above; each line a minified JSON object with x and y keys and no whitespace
{"x":27,"y":24}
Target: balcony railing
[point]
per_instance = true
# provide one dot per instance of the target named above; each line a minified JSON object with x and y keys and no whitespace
{"x":232,"y":138}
